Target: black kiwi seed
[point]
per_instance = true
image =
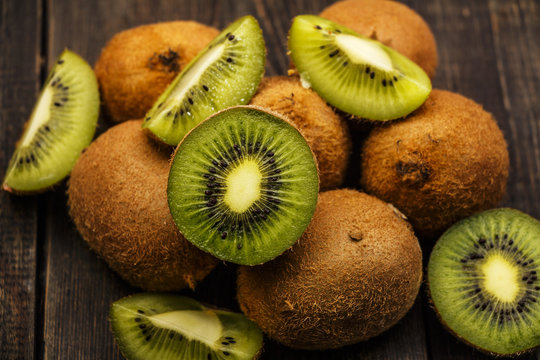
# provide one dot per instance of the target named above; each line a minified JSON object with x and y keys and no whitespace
{"x":334,"y":53}
{"x":372,"y":75}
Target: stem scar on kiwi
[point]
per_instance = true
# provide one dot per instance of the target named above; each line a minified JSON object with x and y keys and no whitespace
{"x":243,"y":185}
{"x":483,"y":281}
{"x":432,"y":165}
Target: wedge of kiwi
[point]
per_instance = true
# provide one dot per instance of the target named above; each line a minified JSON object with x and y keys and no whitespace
{"x":354,"y":73}
{"x":226,"y":73}
{"x":483,"y":280}
{"x":163,"y":326}
{"x":62,"y":124}
{"x":243,"y":185}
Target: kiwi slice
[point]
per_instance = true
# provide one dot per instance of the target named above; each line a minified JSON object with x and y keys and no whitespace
{"x":62,"y":124}
{"x":226,"y":73}
{"x":354,"y":73}
{"x":165,"y":326}
{"x":243,"y":185}
{"x":483,"y":280}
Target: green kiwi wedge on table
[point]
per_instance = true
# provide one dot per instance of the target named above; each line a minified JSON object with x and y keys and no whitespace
{"x":62,"y":124}
{"x":243,"y":185}
{"x":165,"y":326}
{"x":354,"y":73}
{"x":483,"y":281}
{"x":226,"y":73}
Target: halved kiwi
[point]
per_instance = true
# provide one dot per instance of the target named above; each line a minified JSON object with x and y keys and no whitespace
{"x":483,"y":280}
{"x":62,"y":124}
{"x":354,"y":73}
{"x":243,"y":185}
{"x":164,"y":326}
{"x":226,"y":73}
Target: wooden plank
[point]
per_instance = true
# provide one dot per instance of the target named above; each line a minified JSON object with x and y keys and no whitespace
{"x":19,"y":84}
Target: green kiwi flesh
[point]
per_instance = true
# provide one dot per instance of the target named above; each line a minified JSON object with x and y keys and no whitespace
{"x":243,"y":185}
{"x":226,"y":73}
{"x":483,"y":281}
{"x":62,"y":124}
{"x":354,"y":73}
{"x":165,"y":326}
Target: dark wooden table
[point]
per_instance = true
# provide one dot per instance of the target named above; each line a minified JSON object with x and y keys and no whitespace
{"x":55,"y":293}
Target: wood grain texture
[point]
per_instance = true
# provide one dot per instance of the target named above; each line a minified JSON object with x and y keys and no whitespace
{"x":19,"y":85}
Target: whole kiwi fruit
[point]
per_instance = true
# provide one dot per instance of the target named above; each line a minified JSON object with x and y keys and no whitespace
{"x":117,"y":198}
{"x":446,"y":161}
{"x":354,"y":273}
{"x":325,"y":132}
{"x":137,"y":64}
{"x":392,"y":23}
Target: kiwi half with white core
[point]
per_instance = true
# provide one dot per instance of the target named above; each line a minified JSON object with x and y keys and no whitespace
{"x":354,"y":73}
{"x":165,"y":326}
{"x":483,"y":280}
{"x":62,"y":124}
{"x":243,"y":185}
{"x":226,"y":73}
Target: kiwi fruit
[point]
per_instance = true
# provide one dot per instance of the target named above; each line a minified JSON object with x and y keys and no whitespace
{"x":138,"y":64}
{"x":62,"y":124}
{"x":392,"y":23}
{"x":445,"y":162}
{"x":354,"y":273}
{"x":354,"y":73}
{"x":483,"y":281}
{"x":325,"y":132}
{"x":243,"y":185}
{"x":118,"y":201}
{"x":226,"y":73}
{"x":151,"y":326}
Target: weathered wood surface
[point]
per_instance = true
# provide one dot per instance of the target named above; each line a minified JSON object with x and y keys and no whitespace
{"x":55,"y":293}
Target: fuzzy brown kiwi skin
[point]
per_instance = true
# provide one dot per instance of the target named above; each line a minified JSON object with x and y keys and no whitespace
{"x":392,"y":23}
{"x":442,"y":163}
{"x":131,"y":76}
{"x":344,"y":250}
{"x":326,"y":133}
{"x":117,"y":200}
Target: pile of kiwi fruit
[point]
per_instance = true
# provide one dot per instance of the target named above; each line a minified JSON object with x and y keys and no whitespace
{"x":209,"y":161}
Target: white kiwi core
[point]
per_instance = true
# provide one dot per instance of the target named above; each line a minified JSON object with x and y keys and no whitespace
{"x":193,"y":324}
{"x":39,"y":117}
{"x":500,"y":278}
{"x":192,"y":75}
{"x":364,"y":51}
{"x":243,"y":186}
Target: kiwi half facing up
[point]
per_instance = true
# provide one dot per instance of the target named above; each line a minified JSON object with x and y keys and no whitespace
{"x":354,"y":73}
{"x":226,"y":73}
{"x":483,"y":280}
{"x":62,"y":124}
{"x":243,"y":185}
{"x":150,"y":326}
